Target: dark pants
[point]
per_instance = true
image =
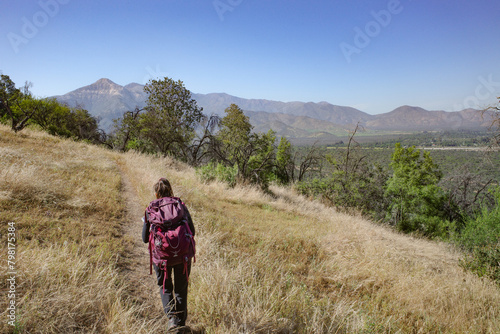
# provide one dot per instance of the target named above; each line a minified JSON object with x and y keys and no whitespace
{"x":174,"y":299}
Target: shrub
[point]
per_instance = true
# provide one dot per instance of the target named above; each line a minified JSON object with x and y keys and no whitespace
{"x":219,"y":172}
{"x":362,"y":189}
{"x":481,"y":239}
{"x":416,"y":200}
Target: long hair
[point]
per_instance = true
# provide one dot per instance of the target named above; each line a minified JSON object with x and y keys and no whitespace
{"x":162,"y":188}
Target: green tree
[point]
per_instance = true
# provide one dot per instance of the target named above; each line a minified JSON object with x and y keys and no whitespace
{"x":481,"y":239}
{"x":20,"y":108}
{"x":126,"y":131}
{"x":285,"y":165}
{"x":50,"y":115}
{"x":61,"y":120}
{"x":253,"y":154}
{"x":262,"y":158}
{"x":170,"y":117}
{"x":416,"y":200}
{"x":353,"y":182}
{"x":202,"y":147}
{"x":234,"y":136}
{"x":12,"y":104}
{"x":307,"y":160}
{"x":233,"y":139}
{"x":84,"y":126}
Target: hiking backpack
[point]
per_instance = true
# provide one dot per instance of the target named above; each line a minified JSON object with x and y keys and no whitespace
{"x":171,"y":241}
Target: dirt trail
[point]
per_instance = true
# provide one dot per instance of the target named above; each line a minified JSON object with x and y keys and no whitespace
{"x":142,"y":286}
{"x":137,"y":262}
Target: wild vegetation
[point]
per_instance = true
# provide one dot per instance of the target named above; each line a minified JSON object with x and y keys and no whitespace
{"x":276,"y":261}
{"x":19,"y":108}
{"x":265,"y":264}
{"x":413,"y":194}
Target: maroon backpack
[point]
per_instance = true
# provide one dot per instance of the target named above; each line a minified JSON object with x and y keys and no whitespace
{"x":171,"y":241}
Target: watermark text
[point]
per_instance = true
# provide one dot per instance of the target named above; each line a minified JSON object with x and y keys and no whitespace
{"x":486,"y":90}
{"x":11,"y":274}
{"x":31,"y":26}
{"x":223,"y":6}
{"x":363,"y":37}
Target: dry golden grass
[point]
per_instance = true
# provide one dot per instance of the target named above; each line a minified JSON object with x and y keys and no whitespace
{"x":265,"y":264}
{"x":65,"y":200}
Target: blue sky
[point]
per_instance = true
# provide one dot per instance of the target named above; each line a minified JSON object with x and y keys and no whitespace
{"x":371,"y":55}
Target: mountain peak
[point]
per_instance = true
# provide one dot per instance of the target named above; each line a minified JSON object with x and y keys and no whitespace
{"x":408,"y":109}
{"x":105,"y":82}
{"x":104,"y":86}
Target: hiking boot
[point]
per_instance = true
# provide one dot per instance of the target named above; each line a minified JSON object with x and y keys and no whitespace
{"x":180,"y":330}
{"x":173,"y":323}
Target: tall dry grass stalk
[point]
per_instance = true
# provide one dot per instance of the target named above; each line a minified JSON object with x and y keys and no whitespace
{"x":265,"y":264}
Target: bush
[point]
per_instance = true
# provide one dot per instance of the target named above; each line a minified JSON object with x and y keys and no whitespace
{"x":362,"y":189}
{"x":219,"y":172}
{"x":416,"y":200}
{"x":481,"y":239}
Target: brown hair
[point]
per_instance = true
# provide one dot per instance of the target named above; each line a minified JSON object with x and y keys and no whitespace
{"x":162,"y":188}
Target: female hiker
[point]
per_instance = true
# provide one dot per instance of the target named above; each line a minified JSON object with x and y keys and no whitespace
{"x":169,"y":229}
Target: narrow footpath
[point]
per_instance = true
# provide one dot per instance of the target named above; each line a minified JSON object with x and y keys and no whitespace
{"x":141,"y":285}
{"x":137,"y":261}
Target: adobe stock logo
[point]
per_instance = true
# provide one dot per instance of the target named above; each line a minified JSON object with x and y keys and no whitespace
{"x":486,"y":90}
{"x":30,"y":28}
{"x":372,"y":29}
{"x":154,"y":74}
{"x":222,"y":6}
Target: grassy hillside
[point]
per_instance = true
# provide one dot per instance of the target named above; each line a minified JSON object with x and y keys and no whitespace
{"x":265,"y":264}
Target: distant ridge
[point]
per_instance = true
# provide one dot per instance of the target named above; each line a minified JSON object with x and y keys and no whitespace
{"x":108,"y":100}
{"x":215,"y":102}
{"x":410,"y":118}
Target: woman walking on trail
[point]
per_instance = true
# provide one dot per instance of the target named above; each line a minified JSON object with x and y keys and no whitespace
{"x":169,"y":229}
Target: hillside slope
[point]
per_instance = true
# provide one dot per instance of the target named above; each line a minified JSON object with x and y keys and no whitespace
{"x":265,"y":264}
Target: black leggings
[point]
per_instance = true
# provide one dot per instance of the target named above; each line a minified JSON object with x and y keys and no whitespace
{"x":174,"y":299}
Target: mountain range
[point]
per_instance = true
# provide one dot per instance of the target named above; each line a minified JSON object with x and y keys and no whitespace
{"x":107,"y":100}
